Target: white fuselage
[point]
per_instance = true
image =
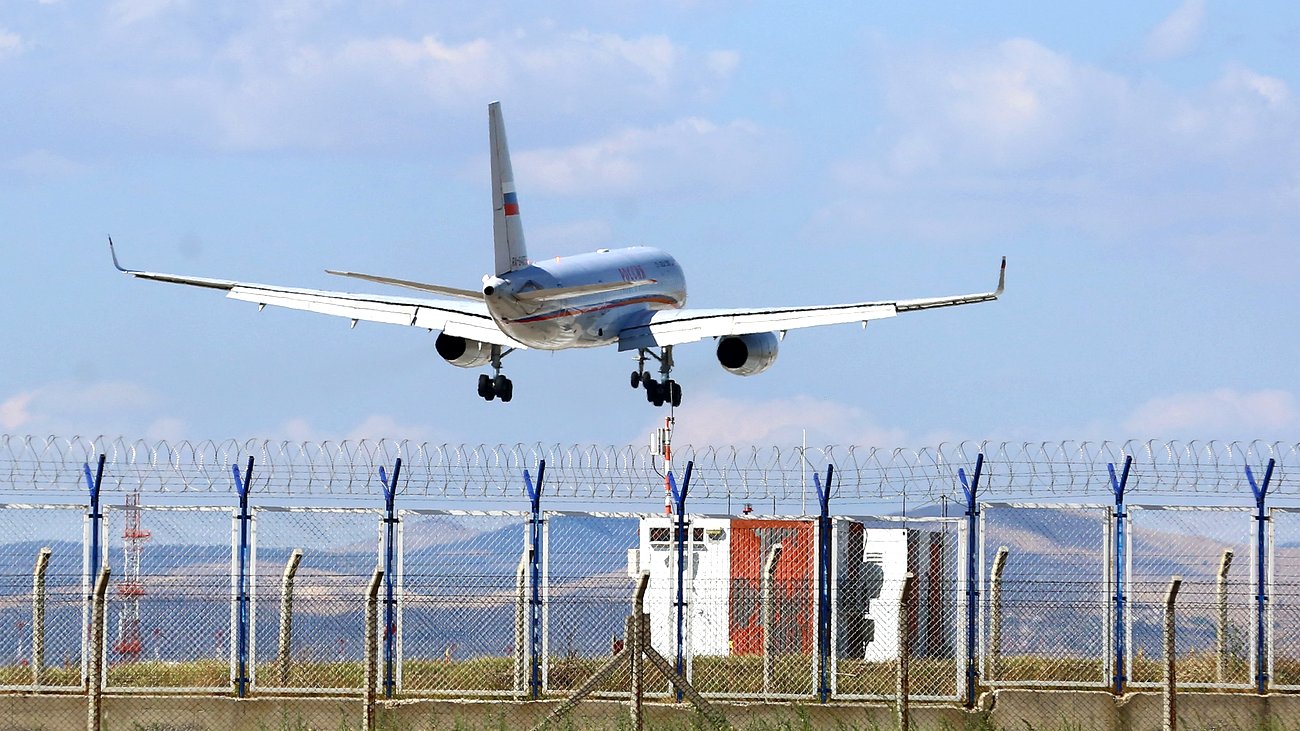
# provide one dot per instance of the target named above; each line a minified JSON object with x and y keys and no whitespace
{"x":585,"y":320}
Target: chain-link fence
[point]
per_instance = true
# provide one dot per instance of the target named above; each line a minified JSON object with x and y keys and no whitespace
{"x":1211,"y":548}
{"x":590,"y":577}
{"x":872,"y":558}
{"x":169,"y":611}
{"x":41,"y":563}
{"x":1283,"y":625}
{"x":512,"y":604}
{"x":310,"y":570}
{"x":1045,"y":589}
{"x":466,"y":591}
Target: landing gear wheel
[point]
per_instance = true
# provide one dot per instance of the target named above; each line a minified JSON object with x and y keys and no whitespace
{"x":657,"y":394}
{"x":503,"y":388}
{"x":651,"y":390}
{"x":647,"y":379}
{"x":636,"y":379}
{"x":485,"y":386}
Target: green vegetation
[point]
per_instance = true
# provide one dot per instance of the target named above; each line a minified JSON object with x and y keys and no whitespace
{"x":740,"y":674}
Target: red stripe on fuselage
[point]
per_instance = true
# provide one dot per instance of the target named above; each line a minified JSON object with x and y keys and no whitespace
{"x":588,"y":310}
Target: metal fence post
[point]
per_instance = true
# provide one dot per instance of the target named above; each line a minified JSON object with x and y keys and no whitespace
{"x":241,"y":596}
{"x":372,"y":647}
{"x":971,"y":490}
{"x":903,"y":677}
{"x":1221,"y":626}
{"x":824,"y":558}
{"x":95,"y":687}
{"x":995,"y":611}
{"x":535,"y":581}
{"x":38,"y":613}
{"x":679,"y":505}
{"x":1117,"y":486}
{"x":1170,"y":715}
{"x":286,"y":615}
{"x":94,"y":556}
{"x":390,"y":574}
{"x":769,"y":574}
{"x":636,"y":642}
{"x":1261,"y":576}
{"x":93,"y":484}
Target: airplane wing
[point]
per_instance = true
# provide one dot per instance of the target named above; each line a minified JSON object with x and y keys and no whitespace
{"x":462,"y":319}
{"x":672,"y":327}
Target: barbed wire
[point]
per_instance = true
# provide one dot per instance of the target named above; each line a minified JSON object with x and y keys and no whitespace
{"x":30,"y":464}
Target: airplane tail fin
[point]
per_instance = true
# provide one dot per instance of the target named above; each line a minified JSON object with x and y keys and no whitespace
{"x":507,"y":229}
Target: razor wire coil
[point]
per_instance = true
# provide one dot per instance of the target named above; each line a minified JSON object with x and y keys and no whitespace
{"x":485,"y":471}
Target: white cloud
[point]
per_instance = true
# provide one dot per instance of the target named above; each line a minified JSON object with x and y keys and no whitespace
{"x":44,"y":164}
{"x":708,"y":419}
{"x":688,"y":155}
{"x":382,"y":426}
{"x":992,"y":141}
{"x":101,"y":407}
{"x":722,"y":64}
{"x":11,"y":44}
{"x":274,"y":85}
{"x":14,"y":413}
{"x":1012,"y":105}
{"x":125,"y":13}
{"x":372,"y":428}
{"x":1178,"y":33}
{"x":166,"y":428}
{"x":1225,"y":413}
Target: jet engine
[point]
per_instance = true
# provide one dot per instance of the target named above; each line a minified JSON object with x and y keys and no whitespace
{"x":747,"y":355}
{"x":462,"y":352}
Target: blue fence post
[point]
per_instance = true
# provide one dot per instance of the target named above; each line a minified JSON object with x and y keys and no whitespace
{"x":679,"y":505}
{"x":241,"y":596}
{"x":824,"y":585}
{"x":1261,"y":577}
{"x":1117,"y":486}
{"x":390,"y":571}
{"x":94,"y":557}
{"x":971,"y":490}
{"x":94,"y":560}
{"x":535,"y":581}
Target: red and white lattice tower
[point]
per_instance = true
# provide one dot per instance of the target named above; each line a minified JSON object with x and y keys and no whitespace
{"x":131,"y":587}
{"x":661,"y":445}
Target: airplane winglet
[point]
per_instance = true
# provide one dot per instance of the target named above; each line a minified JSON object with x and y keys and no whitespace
{"x":117,"y":264}
{"x":1002,"y":279}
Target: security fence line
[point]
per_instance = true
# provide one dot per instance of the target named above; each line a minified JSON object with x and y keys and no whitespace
{"x":266,"y":598}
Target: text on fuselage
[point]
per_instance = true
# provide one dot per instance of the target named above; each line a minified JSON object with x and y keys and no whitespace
{"x":632,"y":273}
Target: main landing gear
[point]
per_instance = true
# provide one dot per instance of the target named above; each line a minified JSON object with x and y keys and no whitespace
{"x":497,"y":385}
{"x":662,"y":392}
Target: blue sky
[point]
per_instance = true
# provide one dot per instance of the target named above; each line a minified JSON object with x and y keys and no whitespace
{"x":1139,"y":164}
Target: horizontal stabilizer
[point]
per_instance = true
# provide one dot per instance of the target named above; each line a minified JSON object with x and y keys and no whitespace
{"x":555,"y":293}
{"x":467,"y":294}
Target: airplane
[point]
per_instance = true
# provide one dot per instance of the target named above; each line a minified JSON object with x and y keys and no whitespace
{"x":631,"y":297}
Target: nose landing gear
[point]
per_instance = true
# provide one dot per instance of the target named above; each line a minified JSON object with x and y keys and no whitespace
{"x":662,"y":392}
{"x":497,"y":385}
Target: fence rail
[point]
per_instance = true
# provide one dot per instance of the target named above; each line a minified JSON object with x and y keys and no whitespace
{"x":1014,"y":469}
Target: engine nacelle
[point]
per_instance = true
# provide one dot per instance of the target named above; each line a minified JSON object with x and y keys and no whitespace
{"x":747,"y":355}
{"x":463,"y":352}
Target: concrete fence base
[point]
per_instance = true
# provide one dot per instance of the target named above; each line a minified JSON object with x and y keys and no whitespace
{"x":1010,"y":709}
